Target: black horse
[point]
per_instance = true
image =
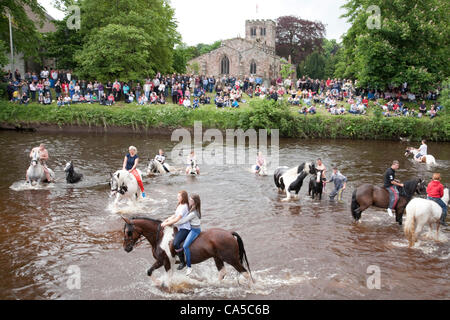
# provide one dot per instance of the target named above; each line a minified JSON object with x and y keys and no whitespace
{"x":71,"y":175}
{"x":316,"y":185}
{"x":369,"y":195}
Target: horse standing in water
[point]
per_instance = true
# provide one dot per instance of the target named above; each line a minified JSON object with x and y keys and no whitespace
{"x":369,"y":195}
{"x":316,"y":185}
{"x":289,"y":180}
{"x":35,"y":172}
{"x":428,"y":159}
{"x":420,"y":212}
{"x":222,"y":246}
{"x":124,"y":185}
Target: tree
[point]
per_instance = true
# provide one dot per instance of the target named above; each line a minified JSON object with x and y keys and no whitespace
{"x":313,"y":66}
{"x":3,"y":50}
{"x":26,"y":38}
{"x":298,"y":38}
{"x":62,"y":45}
{"x":286,"y":69}
{"x":150,"y":21}
{"x":117,"y":52}
{"x":409,"y":43}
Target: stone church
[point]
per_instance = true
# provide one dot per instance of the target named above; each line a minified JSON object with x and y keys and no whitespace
{"x":254,"y":55}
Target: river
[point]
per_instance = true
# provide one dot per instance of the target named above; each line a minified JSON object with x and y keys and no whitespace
{"x":306,"y":249}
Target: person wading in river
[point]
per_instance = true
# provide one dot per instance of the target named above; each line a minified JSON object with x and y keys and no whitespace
{"x":391,"y":184}
{"x":130,"y":163}
{"x":43,"y":157}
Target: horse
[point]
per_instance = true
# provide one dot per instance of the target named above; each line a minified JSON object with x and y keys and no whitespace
{"x":316,"y":185}
{"x":369,"y":195}
{"x":193,"y":168}
{"x":262,"y":170}
{"x":124,"y":185}
{"x":35,"y":172}
{"x":428,"y":159}
{"x":71,"y":175}
{"x":155,"y":167}
{"x":289,"y":180}
{"x":222,"y":246}
{"x":420,"y":212}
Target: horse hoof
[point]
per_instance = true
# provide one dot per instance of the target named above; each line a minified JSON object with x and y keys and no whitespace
{"x":149,"y":272}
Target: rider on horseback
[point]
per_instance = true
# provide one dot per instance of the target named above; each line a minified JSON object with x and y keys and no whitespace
{"x":391,"y":184}
{"x":435,"y":192}
{"x":43,"y":157}
{"x":161,"y":158}
{"x":423,"y":151}
{"x":130,"y":163}
{"x":191,"y":158}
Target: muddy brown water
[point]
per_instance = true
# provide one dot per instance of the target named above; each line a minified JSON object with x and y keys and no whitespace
{"x":306,"y":249}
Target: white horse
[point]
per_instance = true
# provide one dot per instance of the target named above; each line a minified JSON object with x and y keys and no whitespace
{"x":262,"y":170}
{"x":125,"y":186}
{"x":155,"y":167}
{"x":420,"y":212}
{"x":428,"y":159}
{"x":36,"y":172}
{"x":192,"y":168}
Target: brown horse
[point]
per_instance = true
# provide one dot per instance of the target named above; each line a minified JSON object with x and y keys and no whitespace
{"x":222,"y":246}
{"x":369,"y":195}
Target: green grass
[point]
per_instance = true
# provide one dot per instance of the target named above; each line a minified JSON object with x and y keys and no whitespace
{"x":256,"y":114}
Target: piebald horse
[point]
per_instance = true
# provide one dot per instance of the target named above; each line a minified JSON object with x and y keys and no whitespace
{"x":125,"y":186}
{"x":289,"y":180}
{"x":316,"y":185}
{"x":35,"y":172}
{"x":428,"y":159}
{"x":222,"y":246}
{"x":420,"y":212}
{"x":369,"y":195}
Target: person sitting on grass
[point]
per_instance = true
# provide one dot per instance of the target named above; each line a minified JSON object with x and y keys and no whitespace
{"x":187,"y":102}
{"x":303,"y":110}
{"x":162,"y":99}
{"x":67,"y":100}
{"x":25,"y":99}
{"x":226,"y":101}
{"x":47,"y":99}
{"x":218,"y":101}
{"x":142,"y":99}
{"x":60,"y":102}
{"x":94,"y":98}
{"x":312,"y":110}
{"x":130,"y":97}
{"x":103,"y":99}
{"x":195,"y":103}
{"x":75,"y":98}
{"x":433,"y":112}
{"x":235,"y":104}
{"x":111,"y":99}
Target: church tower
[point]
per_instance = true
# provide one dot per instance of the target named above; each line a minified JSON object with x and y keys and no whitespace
{"x":263,"y":32}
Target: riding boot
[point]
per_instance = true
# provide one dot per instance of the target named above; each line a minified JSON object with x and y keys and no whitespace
{"x":182,"y":260}
{"x":442,"y":220}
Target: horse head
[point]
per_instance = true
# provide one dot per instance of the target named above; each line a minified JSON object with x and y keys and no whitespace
{"x":408,"y":151}
{"x":421,"y":187}
{"x":68,"y":167}
{"x":114,"y":183}
{"x":35,"y":158}
{"x":130,"y":235}
{"x":151,"y":168}
{"x":318,"y":175}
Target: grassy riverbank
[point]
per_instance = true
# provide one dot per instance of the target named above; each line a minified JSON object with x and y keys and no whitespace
{"x":256,"y":114}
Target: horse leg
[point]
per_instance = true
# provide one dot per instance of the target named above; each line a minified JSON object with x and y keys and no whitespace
{"x":158,"y":264}
{"x":221,"y":268}
{"x":169,"y":271}
{"x":437,"y":230}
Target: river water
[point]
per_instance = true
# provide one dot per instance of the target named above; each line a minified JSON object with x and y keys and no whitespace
{"x":306,"y":249}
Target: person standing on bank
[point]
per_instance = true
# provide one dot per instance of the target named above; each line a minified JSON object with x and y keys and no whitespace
{"x":183,"y":229}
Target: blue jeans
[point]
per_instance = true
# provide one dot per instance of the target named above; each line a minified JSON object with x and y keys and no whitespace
{"x":179,"y":238}
{"x":195,"y":232}
{"x":393,"y":196}
{"x":442,"y":205}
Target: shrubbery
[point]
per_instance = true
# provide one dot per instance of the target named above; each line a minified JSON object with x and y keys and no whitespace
{"x":260,"y":115}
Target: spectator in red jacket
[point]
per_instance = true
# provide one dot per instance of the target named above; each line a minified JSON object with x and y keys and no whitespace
{"x":435,"y":192}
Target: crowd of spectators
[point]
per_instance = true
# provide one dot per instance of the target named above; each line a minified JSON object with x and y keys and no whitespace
{"x":63,"y":88}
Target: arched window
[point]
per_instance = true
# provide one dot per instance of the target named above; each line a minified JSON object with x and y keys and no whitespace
{"x":225,"y":65}
{"x":253,"y":67}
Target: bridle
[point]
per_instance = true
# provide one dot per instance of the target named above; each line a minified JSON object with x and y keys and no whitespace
{"x":140,"y":234}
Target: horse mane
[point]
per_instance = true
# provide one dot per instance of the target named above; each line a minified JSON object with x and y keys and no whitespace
{"x":301,"y":168}
{"x":409,"y":188}
{"x":146,"y":218}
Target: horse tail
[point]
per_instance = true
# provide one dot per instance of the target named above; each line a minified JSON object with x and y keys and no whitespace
{"x":242,"y":254}
{"x":355,"y":206}
{"x":410,"y":226}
